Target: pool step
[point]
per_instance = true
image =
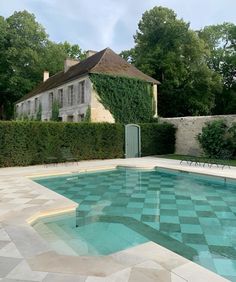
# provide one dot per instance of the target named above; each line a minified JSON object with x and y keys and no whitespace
{"x":57,"y":238}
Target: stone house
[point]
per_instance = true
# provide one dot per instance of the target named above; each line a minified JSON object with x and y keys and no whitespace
{"x":74,"y":92}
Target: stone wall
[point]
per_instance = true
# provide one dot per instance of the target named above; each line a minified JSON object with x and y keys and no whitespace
{"x":98,"y":111}
{"x":189,"y":127}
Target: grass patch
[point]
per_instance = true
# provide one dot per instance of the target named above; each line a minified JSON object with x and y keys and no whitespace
{"x":200,"y":159}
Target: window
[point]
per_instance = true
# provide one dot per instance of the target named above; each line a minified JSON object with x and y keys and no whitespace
{"x":81,"y":92}
{"x":28,"y":107}
{"x":50,"y":102}
{"x":70,"y":95}
{"x":36,"y":104}
{"x":81,"y":117}
{"x":22,"y":108}
{"x":60,"y":98}
{"x":70,"y":118}
{"x":17,"y":110}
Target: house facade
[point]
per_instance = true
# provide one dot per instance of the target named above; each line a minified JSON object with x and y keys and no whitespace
{"x":73,"y":92}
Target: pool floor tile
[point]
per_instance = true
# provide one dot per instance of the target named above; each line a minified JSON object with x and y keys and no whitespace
{"x":149,"y":211}
{"x":194,"y":238}
{"x":191,"y":229}
{"x":168,"y":206}
{"x":189,"y":220}
{"x":187,"y":213}
{"x":217,"y":240}
{"x":169,"y":219}
{"x":167,"y":212}
{"x":135,"y":205}
{"x":150,"y":218}
{"x":225,"y":267}
{"x":208,"y":214}
{"x":170,"y":227}
{"x":203,"y":208}
{"x":223,"y":214}
{"x":224,"y":251}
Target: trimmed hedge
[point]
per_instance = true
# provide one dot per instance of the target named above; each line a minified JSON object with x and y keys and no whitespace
{"x":29,"y":143}
{"x":157,"y":139}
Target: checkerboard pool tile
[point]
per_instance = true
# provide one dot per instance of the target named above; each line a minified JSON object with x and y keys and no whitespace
{"x":199,"y":212}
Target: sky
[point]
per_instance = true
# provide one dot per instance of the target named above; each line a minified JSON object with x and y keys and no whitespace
{"x":97,"y":24}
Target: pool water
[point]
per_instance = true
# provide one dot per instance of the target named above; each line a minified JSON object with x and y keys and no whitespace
{"x":190,"y":214}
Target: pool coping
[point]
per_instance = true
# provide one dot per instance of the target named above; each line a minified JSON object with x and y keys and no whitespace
{"x":43,"y":260}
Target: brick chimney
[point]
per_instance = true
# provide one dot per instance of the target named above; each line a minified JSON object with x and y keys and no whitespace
{"x":45,"y":75}
{"x":69,"y":63}
{"x":90,"y":53}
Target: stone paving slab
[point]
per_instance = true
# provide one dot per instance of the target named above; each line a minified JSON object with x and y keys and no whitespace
{"x":25,"y":256}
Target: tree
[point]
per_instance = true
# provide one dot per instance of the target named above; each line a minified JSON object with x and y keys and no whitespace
{"x":25,"y":52}
{"x":73,"y":51}
{"x":221,"y":41}
{"x":3,"y":88}
{"x":56,"y":53}
{"x":24,"y":39}
{"x":128,"y":55}
{"x":168,"y":50}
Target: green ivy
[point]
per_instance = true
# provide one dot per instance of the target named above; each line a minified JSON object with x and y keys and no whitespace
{"x":129,"y":100}
{"x":55,"y":111}
{"x":39,"y":113}
{"x":87,"y":117}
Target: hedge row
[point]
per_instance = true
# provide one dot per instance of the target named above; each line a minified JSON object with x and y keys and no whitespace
{"x":157,"y":139}
{"x":28,"y":143}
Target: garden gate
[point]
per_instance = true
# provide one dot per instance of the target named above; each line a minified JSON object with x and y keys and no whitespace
{"x":132,"y":141}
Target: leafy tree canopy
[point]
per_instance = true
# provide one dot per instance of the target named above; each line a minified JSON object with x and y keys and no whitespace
{"x":25,"y":52}
{"x":221,"y":41}
{"x":181,"y":59}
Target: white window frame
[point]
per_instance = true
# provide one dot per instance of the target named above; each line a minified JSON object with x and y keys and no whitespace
{"x":50,"y":100}
{"x":70,"y":95}
{"x":28,"y":107}
{"x":60,"y":97}
{"x":36,"y":104}
{"x":81,"y":92}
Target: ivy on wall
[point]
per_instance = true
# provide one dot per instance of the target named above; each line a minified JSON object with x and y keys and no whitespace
{"x":129,"y":100}
{"x":55,"y":111}
{"x":87,"y":117}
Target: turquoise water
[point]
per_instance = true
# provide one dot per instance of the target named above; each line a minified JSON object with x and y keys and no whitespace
{"x":192,"y":215}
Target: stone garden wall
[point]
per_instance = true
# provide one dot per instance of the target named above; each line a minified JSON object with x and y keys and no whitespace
{"x":189,"y":127}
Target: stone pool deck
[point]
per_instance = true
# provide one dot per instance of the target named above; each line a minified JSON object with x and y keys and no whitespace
{"x":25,"y":256}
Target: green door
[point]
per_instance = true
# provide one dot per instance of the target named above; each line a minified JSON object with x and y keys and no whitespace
{"x":132,"y":141}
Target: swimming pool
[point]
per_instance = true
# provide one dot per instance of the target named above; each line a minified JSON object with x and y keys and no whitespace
{"x":191,"y":214}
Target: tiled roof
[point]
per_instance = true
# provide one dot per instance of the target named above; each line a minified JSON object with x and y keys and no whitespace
{"x":105,"y":61}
